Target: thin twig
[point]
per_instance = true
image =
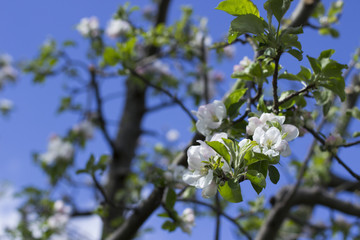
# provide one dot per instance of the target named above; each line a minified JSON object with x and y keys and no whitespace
{"x":99,"y":106}
{"x":218,"y":219}
{"x":241,"y":228}
{"x":274,"y":84}
{"x":204,"y":72}
{"x":166,"y":92}
{"x":322,"y":141}
{"x":349,"y":144}
{"x":295,"y":94}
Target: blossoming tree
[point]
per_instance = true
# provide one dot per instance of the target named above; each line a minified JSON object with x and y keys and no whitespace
{"x":240,"y":137}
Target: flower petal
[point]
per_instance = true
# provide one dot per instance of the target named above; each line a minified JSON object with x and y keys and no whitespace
{"x":191,"y":178}
{"x":210,"y":190}
{"x":291,"y":131}
{"x":205,"y":180}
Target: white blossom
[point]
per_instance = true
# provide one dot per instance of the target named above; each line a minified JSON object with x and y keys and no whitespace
{"x":156,"y":67}
{"x":271,"y":142}
{"x":245,"y":62}
{"x":61,"y":215}
{"x":6,"y":105}
{"x":58,"y":150}
{"x":172,"y":135}
{"x":198,"y":175}
{"x":334,"y":139}
{"x":255,"y":122}
{"x":175,"y":173}
{"x":229,"y":51}
{"x":210,"y":117}
{"x":84,"y":128}
{"x":117,"y":28}
{"x":324,"y":21}
{"x":187,"y":220}
{"x":201,"y":40}
{"x":7,"y":71}
{"x":89,"y":27}
{"x":339,"y":3}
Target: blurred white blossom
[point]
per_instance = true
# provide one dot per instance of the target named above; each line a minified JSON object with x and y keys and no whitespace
{"x":61,"y":215}
{"x":58,"y":150}
{"x":85,"y":129}
{"x":172,"y":135}
{"x":187,"y":220}
{"x":6,"y":105}
{"x":89,"y":27}
{"x":245,"y":62}
{"x":7,"y":71}
{"x":117,"y":28}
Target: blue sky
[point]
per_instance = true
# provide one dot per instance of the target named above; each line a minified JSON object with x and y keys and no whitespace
{"x":26,"y":24}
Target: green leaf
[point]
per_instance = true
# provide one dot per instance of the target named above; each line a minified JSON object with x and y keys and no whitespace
{"x":248,"y":23}
{"x":304,"y":74}
{"x":315,"y":64}
{"x":170,"y":198}
{"x":292,"y":30}
{"x":231,"y":191}
{"x":278,"y":8}
{"x":262,"y":166}
{"x":168,"y":225}
{"x":90,"y":163}
{"x":289,"y":76}
{"x":111,"y":57}
{"x":232,"y":102}
{"x":256,"y":178}
{"x":274,"y":174}
{"x":326,"y":54}
{"x":220,"y":149}
{"x":322,"y":97}
{"x":356,"y":134}
{"x":290,"y":40}
{"x":296,"y":53}
{"x":238,"y":7}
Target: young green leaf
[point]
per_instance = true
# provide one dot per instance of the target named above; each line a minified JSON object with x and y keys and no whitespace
{"x":231,"y":192}
{"x":238,"y":7}
{"x":220,"y":149}
{"x":256,"y":178}
{"x":274,"y":174}
{"x":248,"y":23}
{"x":278,"y":8}
{"x":170,"y":198}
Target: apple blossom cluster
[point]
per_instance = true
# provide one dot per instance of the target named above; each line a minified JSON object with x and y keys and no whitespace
{"x":221,"y":159}
{"x":58,"y":150}
{"x":187,"y":220}
{"x":89,"y":27}
{"x":7,"y":71}
{"x":271,"y":134}
{"x":61,"y":215}
{"x":203,"y":161}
